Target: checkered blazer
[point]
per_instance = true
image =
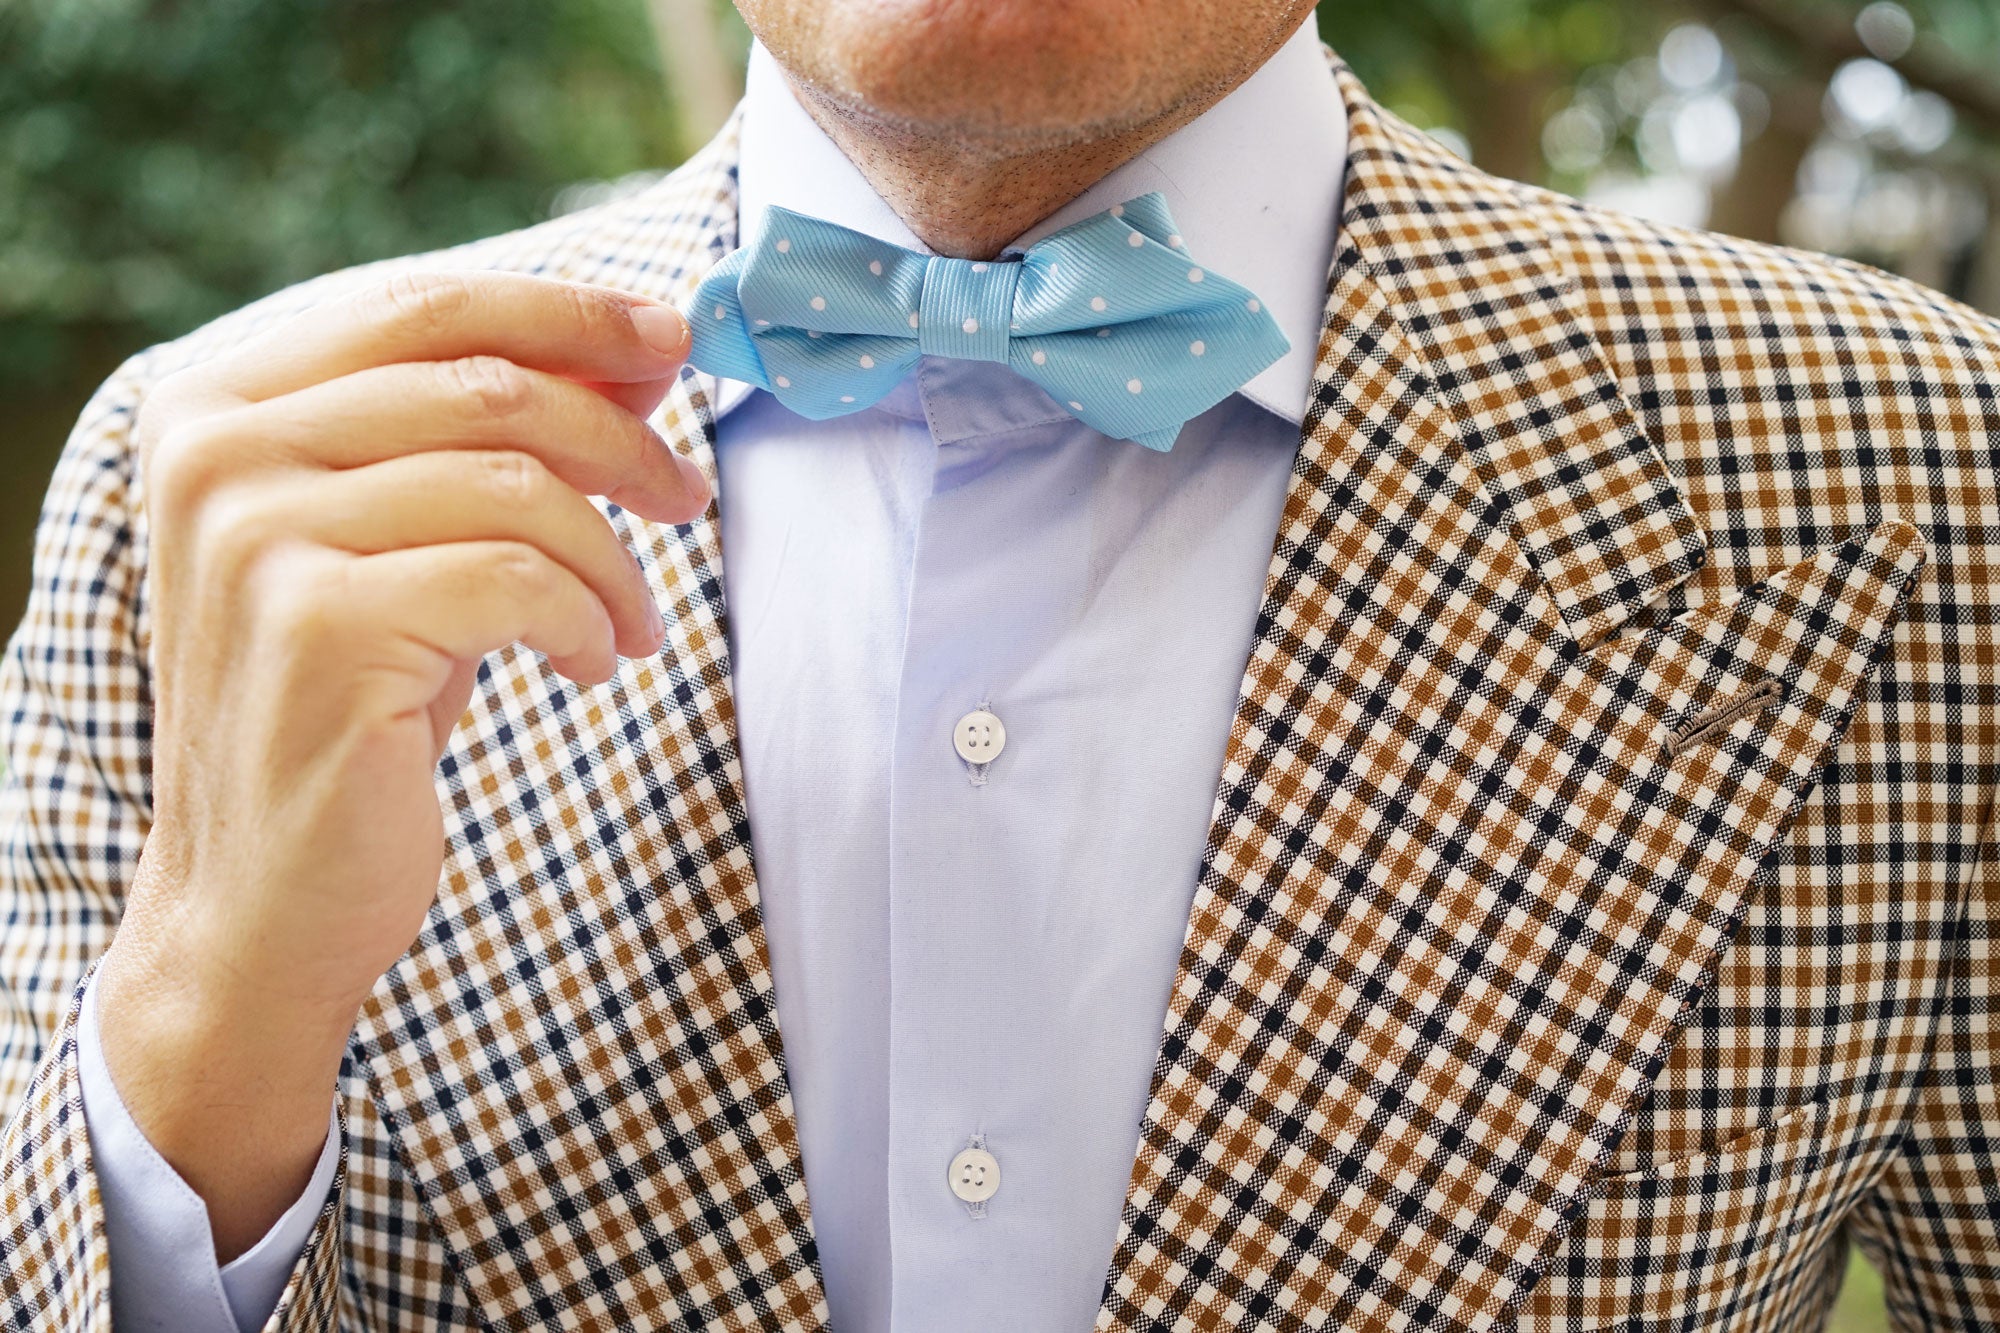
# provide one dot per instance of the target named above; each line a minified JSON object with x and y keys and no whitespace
{"x":1597,"y":923}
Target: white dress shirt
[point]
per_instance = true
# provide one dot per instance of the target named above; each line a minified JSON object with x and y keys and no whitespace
{"x":972,"y":959}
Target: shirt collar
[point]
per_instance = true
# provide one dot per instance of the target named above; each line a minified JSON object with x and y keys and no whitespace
{"x":1253,"y":184}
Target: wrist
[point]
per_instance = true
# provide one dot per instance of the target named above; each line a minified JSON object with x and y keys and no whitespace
{"x":229,"y":1078}
{"x":174,"y":1011}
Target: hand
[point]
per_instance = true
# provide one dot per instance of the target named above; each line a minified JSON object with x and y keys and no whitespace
{"x":346,"y":514}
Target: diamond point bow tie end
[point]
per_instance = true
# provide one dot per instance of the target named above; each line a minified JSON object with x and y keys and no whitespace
{"x":1110,"y":317}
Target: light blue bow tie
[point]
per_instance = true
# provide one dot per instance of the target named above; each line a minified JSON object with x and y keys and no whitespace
{"x":1109,"y":317}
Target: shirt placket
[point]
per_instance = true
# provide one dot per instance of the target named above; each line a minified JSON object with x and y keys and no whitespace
{"x":961,"y":1145}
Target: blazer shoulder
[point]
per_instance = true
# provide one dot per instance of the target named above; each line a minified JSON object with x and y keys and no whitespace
{"x":1637,"y":277}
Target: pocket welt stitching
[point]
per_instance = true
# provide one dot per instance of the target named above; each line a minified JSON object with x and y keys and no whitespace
{"x":1799,"y":1118}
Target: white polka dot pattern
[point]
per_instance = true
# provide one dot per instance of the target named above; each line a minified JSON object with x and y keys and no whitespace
{"x":1119,"y":279}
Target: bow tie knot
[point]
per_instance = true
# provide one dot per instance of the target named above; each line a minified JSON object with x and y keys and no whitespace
{"x":967,"y":310}
{"x":1109,"y":317}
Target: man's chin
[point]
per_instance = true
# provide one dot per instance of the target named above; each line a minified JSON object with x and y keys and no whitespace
{"x":997,"y":70}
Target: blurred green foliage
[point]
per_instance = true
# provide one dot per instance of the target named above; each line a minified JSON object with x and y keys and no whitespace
{"x":1861,"y":1308}
{"x":161,"y":163}
{"x":1411,"y":55}
{"x":1416,"y":53}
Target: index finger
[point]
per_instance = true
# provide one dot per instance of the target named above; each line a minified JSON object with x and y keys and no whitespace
{"x":579,"y":330}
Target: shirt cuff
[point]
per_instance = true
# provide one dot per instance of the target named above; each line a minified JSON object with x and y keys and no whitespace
{"x":164,"y":1278}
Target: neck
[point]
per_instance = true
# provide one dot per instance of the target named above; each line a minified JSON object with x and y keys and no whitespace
{"x":967,"y":199}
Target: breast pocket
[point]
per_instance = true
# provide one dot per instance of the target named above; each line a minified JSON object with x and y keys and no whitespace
{"x":1685,"y":1244}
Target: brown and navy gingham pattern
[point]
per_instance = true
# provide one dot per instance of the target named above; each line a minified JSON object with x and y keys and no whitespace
{"x":1458,"y":894}
{"x":1491,"y":1009}
{"x":640,"y":1144}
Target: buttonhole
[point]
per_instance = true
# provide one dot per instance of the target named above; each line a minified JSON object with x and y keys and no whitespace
{"x":1708,"y":724}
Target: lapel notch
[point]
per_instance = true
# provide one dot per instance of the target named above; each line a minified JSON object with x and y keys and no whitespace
{"x":1463,"y":262}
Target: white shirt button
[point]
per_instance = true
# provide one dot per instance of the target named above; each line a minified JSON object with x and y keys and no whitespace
{"x":979,"y":737}
{"x":975,"y":1175}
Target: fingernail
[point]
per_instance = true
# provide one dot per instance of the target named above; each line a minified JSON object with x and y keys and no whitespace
{"x":655,"y":623}
{"x":661,"y":328}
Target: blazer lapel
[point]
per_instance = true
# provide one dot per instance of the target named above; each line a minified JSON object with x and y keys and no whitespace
{"x":1587,"y":498}
{"x":580,"y":1056}
{"x":1470,"y":863}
